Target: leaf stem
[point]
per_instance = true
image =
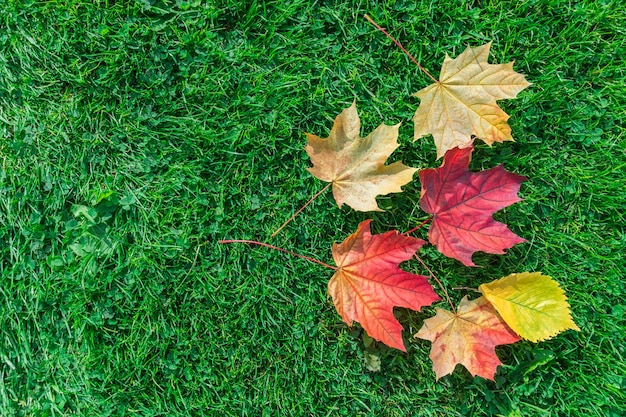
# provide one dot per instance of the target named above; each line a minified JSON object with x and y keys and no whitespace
{"x":369,"y":19}
{"x":466,"y":288}
{"x":301,"y":208}
{"x":418,"y":226}
{"x":267,"y":245}
{"x":438,"y":282}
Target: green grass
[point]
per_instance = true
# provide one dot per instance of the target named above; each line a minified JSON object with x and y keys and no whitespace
{"x":134,"y":135}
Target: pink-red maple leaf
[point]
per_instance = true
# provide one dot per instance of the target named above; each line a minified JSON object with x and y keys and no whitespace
{"x":462,"y":204}
{"x":369,"y":283}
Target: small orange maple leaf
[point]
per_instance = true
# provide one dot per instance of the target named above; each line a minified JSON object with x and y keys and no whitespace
{"x":468,"y":337}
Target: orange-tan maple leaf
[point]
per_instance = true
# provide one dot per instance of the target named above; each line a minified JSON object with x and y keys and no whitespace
{"x":356,"y":166}
{"x":369,"y":283}
{"x":468,"y":337}
{"x":463,"y":102}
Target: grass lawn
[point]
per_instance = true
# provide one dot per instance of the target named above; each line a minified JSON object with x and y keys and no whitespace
{"x":136,"y":134}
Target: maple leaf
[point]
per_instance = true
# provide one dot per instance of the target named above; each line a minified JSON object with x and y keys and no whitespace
{"x":468,"y":337}
{"x":369,"y":283}
{"x":463,"y":102}
{"x":532,"y":304}
{"x":356,"y":166}
{"x":462,"y":204}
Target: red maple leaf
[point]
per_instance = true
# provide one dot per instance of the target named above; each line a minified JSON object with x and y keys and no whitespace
{"x":462,"y":204}
{"x":369,"y":283}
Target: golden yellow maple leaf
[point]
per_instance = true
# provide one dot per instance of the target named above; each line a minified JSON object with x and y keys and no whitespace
{"x":532,"y":304}
{"x":356,"y":166}
{"x":463,"y":102}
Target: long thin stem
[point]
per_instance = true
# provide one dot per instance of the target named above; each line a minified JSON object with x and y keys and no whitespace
{"x":438,"y":282}
{"x":466,"y":288}
{"x":301,"y":208}
{"x":267,"y":245}
{"x":369,"y":19}
{"x":419,"y":226}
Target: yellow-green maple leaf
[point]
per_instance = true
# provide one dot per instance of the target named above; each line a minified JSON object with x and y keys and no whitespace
{"x":532,"y":304}
{"x":463,"y":104}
